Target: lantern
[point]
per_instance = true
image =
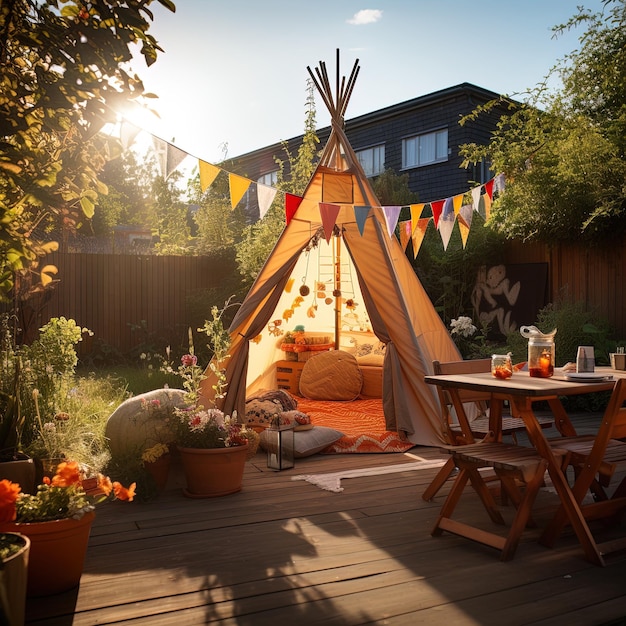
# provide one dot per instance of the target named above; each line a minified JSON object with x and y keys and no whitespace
{"x":279,"y":440}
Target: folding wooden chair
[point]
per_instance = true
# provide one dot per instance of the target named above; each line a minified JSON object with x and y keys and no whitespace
{"x":464,"y":431}
{"x":513,"y":465}
{"x":595,"y":461}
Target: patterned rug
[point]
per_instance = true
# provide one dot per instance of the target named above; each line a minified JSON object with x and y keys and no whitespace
{"x":361,"y":421}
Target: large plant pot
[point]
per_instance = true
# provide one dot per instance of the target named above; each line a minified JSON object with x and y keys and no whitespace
{"x":13,"y":580}
{"x":214,"y":472}
{"x":57,"y":552}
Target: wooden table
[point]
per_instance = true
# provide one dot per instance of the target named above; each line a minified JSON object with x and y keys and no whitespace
{"x":521,"y":391}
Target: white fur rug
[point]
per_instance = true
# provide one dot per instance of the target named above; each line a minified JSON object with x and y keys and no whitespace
{"x":332,"y":481}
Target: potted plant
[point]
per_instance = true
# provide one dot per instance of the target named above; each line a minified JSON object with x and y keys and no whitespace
{"x":14,"y":551}
{"x":57,"y":519}
{"x":213,"y":446}
{"x":156,"y":461}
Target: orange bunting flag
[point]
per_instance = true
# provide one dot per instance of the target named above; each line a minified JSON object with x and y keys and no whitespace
{"x":208,"y":173}
{"x":464,"y":230}
{"x":405,"y":228}
{"x":418,"y":234}
{"x":486,"y":202}
{"x":489,"y":188}
{"x":416,"y":213}
{"x":437,"y":207}
{"x":291,"y":206}
{"x":360,"y":215}
{"x":329,"y":213}
{"x":457,"y":201}
{"x":238,"y":187}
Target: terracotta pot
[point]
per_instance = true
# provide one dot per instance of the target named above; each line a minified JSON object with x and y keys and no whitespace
{"x":57,"y":552}
{"x":214,"y":472}
{"x":13,"y":581}
{"x":159,"y":470}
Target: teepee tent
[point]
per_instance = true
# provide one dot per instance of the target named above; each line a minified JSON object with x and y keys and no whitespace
{"x":339,"y":219}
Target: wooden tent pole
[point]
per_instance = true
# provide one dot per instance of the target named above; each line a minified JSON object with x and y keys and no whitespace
{"x":338,"y":291}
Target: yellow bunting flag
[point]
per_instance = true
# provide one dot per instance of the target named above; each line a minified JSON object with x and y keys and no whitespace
{"x":416,"y":213}
{"x":238,"y":186}
{"x":457,"y":201}
{"x":208,"y":173}
{"x":418,"y":234}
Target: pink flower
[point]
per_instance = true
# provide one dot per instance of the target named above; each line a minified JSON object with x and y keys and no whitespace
{"x":189,"y":359}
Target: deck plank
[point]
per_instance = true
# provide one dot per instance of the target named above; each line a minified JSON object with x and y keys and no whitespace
{"x":285,"y":551}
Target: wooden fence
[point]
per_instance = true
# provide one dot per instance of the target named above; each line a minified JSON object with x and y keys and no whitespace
{"x":593,"y":276}
{"x":109,"y":293}
{"x":116,"y":296}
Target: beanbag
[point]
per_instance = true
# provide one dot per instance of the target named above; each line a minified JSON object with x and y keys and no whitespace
{"x":333,"y":375}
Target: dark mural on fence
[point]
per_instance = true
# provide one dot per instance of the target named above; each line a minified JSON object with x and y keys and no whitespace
{"x":510,"y":296}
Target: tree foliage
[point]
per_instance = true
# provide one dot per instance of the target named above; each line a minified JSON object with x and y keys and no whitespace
{"x":63,"y":76}
{"x":563,"y":150}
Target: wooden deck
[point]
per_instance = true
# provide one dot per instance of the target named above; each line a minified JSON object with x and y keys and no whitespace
{"x":288,"y":552}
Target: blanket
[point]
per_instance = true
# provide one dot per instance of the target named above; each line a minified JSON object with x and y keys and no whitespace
{"x":361,"y":421}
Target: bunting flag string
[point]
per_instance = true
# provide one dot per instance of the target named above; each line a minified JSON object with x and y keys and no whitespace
{"x":444,"y":211}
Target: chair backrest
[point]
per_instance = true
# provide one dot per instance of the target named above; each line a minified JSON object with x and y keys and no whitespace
{"x":613,"y":424}
{"x":463,"y":397}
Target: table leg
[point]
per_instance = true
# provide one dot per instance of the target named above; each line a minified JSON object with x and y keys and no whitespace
{"x":523,"y":409}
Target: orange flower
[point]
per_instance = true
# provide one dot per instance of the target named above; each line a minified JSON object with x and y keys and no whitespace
{"x":68,"y":474}
{"x":104,"y":482}
{"x":8,"y":495}
{"x":121,"y":493}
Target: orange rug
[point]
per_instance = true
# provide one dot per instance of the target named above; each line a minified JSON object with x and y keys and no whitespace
{"x":361,"y":421}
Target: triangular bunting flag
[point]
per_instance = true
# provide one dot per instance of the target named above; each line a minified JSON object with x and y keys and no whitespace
{"x":329,"y":214}
{"x":486,"y":198}
{"x":464,"y":232}
{"x":499,"y":183}
{"x":437,"y":208}
{"x":457,"y":201}
{"x":265,"y":196}
{"x":291,"y":206}
{"x":128,"y":132}
{"x":406,"y":228}
{"x":238,"y":186}
{"x":360,"y":215}
{"x":465,"y":215}
{"x":174,"y":157}
{"x":489,"y":188}
{"x":416,"y":213}
{"x":392,"y":213}
{"x":476,"y":197}
{"x":160,"y":153}
{"x":208,"y":173}
{"x":446,"y":222}
{"x":418,"y":234}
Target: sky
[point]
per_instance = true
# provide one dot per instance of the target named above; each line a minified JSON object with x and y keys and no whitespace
{"x":233,"y":74}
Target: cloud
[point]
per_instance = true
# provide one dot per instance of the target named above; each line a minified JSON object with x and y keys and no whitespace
{"x":366,"y":16}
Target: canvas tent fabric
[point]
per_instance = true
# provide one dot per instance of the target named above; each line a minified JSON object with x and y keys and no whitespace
{"x":397,"y":306}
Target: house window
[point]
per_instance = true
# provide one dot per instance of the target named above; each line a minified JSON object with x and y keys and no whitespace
{"x":270,"y":179}
{"x":425,"y":149}
{"x":372,"y":160}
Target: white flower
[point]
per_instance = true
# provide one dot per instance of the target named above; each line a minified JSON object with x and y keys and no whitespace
{"x":462,"y":326}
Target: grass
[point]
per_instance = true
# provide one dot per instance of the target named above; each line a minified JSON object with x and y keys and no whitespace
{"x":136,"y":380}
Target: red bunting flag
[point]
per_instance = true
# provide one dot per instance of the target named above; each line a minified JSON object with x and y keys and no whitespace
{"x":489,"y":188}
{"x":437,"y":207}
{"x":329,"y":213}
{"x":291,"y":206}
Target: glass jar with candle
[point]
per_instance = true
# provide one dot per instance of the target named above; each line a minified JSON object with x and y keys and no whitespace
{"x":501,"y":366}
{"x":540,"y":351}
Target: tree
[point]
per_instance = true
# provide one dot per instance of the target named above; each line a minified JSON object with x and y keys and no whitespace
{"x":563,"y":151}
{"x":260,"y":238}
{"x":63,"y":76}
